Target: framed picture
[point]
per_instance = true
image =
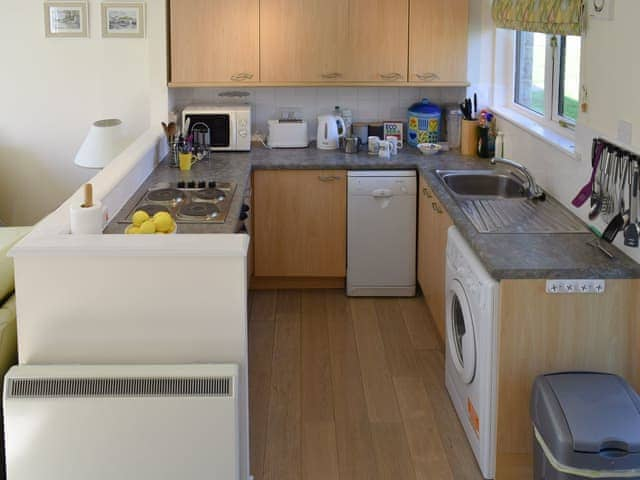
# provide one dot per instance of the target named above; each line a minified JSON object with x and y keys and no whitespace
{"x":66,"y":19}
{"x":124,"y":20}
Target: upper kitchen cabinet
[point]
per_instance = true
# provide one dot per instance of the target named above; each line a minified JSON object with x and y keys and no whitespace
{"x":214,"y":41}
{"x":438,"y":32}
{"x":377,"y":46}
{"x":303,"y":40}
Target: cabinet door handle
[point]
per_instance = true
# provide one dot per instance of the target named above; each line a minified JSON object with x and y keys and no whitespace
{"x":436,"y":207}
{"x":328,"y":178}
{"x":390,"y":76}
{"x":426,"y":192}
{"x":427,"y":77}
{"x":239,"y":77}
{"x":331,"y":76}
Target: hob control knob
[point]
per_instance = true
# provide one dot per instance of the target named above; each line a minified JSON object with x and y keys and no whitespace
{"x":245,"y":208}
{"x":191,"y":184}
{"x":202,"y":184}
{"x":212,"y":184}
{"x":181,"y":185}
{"x":243,"y":216}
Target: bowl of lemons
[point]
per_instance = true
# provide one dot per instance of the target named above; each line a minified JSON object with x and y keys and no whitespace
{"x":142,"y":223}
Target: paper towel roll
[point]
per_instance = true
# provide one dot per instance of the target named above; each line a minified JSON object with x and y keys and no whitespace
{"x":87,"y":220}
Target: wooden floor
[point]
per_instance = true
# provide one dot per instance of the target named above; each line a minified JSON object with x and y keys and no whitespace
{"x":351,"y":389}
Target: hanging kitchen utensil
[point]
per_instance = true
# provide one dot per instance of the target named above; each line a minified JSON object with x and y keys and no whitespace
{"x":619,"y":221}
{"x":631,"y":229}
{"x":597,"y":191}
{"x":585,"y":192}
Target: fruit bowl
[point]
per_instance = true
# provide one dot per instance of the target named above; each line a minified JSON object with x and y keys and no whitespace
{"x":160,"y":224}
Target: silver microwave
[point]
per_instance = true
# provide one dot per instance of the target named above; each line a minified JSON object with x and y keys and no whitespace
{"x":219,"y":127}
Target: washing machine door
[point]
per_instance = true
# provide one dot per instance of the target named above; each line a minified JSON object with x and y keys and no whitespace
{"x":461,"y":335}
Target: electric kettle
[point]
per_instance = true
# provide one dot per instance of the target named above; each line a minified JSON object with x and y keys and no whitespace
{"x":328,"y":132}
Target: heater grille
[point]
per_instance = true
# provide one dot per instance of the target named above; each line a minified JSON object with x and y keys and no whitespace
{"x":120,"y":387}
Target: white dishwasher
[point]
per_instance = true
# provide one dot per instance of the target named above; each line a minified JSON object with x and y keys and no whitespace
{"x":381,"y":233}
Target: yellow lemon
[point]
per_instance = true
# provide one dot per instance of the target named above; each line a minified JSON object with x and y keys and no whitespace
{"x":161,"y":215}
{"x":140,"y":217}
{"x":163,"y":223}
{"x":132,"y":230}
{"x":148,"y":227}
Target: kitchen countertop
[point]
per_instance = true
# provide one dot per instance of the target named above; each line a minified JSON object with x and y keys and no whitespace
{"x":505,"y":256}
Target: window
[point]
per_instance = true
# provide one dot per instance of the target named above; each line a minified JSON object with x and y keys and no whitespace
{"x":547,"y":75}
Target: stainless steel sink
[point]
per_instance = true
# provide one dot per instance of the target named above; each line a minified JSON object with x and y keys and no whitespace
{"x":496,"y":201}
{"x":483,"y":183}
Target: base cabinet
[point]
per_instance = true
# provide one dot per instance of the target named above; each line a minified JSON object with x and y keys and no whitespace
{"x":433,"y":223}
{"x":300,"y":223}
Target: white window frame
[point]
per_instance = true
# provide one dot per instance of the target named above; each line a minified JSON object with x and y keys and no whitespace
{"x":551,"y":119}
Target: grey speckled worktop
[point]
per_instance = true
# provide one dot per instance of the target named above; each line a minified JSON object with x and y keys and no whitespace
{"x":505,"y":256}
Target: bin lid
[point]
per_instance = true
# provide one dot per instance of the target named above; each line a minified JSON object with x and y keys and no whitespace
{"x":601,"y":410}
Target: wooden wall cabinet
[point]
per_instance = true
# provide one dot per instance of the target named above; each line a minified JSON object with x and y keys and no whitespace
{"x":377,"y":46}
{"x":438,"y":40}
{"x":214,"y":41}
{"x":303,"y":40}
{"x":433,"y":223}
{"x":300,"y":223}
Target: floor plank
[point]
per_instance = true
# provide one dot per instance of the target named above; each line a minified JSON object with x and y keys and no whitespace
{"x":261,"y":335}
{"x":461,"y":459}
{"x":319,"y":450}
{"x":427,"y":452}
{"x":419,"y":324}
{"x":376,"y":377}
{"x":283,"y":455}
{"x":397,"y":344}
{"x":353,"y":431}
{"x":392,"y":451}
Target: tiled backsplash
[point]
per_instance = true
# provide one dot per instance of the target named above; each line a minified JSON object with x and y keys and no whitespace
{"x":367,"y":104}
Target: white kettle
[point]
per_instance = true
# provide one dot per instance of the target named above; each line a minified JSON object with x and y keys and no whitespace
{"x":328,"y":133}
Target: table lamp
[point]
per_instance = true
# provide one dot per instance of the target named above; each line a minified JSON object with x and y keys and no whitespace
{"x":102,"y":144}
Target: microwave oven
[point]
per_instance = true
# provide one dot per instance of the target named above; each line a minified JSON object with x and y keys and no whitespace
{"x":219,"y":127}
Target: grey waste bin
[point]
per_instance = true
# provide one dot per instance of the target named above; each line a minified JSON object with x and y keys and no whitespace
{"x":585,"y":425}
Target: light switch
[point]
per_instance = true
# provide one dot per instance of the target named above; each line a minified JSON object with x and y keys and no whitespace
{"x":601,"y":9}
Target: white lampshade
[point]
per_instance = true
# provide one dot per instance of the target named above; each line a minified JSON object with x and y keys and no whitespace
{"x":103,"y":144}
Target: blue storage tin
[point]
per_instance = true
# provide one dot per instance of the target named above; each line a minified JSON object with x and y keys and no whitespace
{"x":424,"y":123}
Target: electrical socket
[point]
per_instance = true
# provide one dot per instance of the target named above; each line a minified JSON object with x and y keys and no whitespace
{"x":575,"y":286}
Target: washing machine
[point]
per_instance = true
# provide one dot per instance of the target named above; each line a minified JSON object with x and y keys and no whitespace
{"x":471,"y":348}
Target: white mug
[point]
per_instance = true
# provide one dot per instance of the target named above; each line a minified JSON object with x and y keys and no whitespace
{"x":384,"y":149}
{"x":393,"y":141}
{"x":374,"y":145}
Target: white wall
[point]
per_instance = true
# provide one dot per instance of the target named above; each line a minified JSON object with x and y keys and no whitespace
{"x":366,"y":103}
{"x":611,"y":76}
{"x":54,"y":88}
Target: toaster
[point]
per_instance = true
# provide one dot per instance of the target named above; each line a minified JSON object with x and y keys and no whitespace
{"x":288,"y":134}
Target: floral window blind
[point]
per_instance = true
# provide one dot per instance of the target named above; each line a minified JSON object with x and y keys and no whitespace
{"x":558,"y":17}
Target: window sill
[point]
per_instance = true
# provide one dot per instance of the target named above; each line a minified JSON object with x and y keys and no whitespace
{"x":564,"y":143}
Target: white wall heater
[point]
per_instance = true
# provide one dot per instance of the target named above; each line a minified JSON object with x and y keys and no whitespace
{"x":122,"y":422}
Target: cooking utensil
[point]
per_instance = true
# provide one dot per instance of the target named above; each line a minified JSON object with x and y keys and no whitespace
{"x":475,"y":105}
{"x":619,"y":221}
{"x":596,"y":193}
{"x":586,"y":192}
{"x":631,"y":229}
{"x":607,"y":196}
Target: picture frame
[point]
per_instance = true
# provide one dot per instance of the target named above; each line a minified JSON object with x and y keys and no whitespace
{"x":123,"y":20}
{"x":66,"y":19}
